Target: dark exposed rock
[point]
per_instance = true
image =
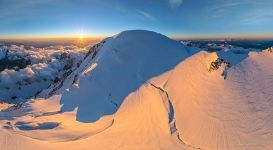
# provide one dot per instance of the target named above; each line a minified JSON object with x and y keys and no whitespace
{"x":217,"y":64}
{"x":15,"y":64}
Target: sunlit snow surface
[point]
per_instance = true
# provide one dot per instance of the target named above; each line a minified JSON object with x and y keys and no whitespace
{"x":141,"y":90}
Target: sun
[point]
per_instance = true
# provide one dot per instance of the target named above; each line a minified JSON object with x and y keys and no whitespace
{"x":81,"y":40}
{"x":81,"y":36}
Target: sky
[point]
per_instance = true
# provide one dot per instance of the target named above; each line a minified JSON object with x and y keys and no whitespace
{"x":178,"y":18}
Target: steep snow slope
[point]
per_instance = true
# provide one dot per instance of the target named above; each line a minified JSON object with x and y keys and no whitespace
{"x":122,"y":65}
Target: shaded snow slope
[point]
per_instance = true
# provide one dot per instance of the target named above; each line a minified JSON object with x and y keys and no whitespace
{"x":140,"y":123}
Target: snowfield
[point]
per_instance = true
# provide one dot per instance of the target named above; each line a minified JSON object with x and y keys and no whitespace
{"x":142,"y":90}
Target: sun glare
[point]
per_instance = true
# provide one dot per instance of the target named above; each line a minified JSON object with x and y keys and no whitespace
{"x":81,"y":36}
{"x":81,"y":40}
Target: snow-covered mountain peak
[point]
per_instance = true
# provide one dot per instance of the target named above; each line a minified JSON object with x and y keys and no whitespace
{"x":117,"y":67}
{"x":139,"y":35}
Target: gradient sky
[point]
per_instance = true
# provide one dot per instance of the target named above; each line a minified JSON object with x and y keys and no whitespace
{"x":107,"y":17}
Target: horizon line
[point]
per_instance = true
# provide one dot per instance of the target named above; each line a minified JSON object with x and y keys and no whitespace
{"x":173,"y":36}
{"x":38,"y":37}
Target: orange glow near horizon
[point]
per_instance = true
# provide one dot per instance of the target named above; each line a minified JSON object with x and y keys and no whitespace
{"x":82,"y":36}
{"x":41,"y":37}
{"x":80,"y":40}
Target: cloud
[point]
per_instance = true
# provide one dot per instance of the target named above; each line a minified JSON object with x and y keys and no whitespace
{"x":244,"y":8}
{"x":146,"y":15}
{"x":258,"y":16}
{"x":175,"y":3}
{"x":46,"y":64}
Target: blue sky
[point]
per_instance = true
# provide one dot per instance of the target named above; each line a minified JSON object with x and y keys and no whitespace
{"x":107,"y":17}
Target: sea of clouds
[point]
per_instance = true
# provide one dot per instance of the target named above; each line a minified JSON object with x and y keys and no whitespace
{"x":25,"y":71}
